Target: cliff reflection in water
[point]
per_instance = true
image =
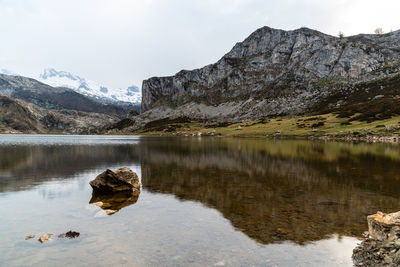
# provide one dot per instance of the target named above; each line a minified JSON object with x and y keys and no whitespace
{"x":275,"y":191}
{"x":272,"y":191}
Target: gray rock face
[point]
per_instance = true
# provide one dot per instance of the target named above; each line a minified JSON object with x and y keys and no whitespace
{"x":274,"y":72}
{"x":113,"y":181}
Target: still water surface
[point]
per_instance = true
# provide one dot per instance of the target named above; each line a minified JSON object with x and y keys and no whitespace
{"x":204,"y":201}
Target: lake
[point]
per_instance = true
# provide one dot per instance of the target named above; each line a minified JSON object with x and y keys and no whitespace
{"x":203,"y":202}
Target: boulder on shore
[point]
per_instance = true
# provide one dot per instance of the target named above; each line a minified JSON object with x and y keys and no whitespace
{"x":113,"y":181}
{"x":382,"y":246}
{"x":383,"y":226}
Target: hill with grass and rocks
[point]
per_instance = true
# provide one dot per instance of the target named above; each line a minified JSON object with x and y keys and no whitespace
{"x":18,"y":116}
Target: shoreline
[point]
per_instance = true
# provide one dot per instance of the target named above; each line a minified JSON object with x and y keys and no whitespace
{"x":389,"y":139}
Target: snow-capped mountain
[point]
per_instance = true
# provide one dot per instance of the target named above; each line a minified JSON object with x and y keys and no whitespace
{"x":7,"y":72}
{"x":56,"y":78}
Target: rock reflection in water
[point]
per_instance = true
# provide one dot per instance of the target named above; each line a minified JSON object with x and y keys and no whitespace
{"x":112,"y":203}
{"x":272,"y":192}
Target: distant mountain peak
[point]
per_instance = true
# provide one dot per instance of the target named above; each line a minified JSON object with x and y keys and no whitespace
{"x":50,"y":72}
{"x":7,"y":72}
{"x":90,"y":88}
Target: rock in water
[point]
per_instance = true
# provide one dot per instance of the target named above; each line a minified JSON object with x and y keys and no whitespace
{"x":71,"y":234}
{"x":382,"y":248}
{"x":113,"y":181}
{"x":115,"y":189}
{"x":29,"y":237}
{"x":45,"y":238}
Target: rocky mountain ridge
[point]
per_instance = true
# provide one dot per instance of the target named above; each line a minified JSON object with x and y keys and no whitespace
{"x":46,"y":96}
{"x":17,"y":116}
{"x":276,"y":72}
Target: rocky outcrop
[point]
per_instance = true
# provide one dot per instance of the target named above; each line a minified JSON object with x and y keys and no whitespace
{"x":114,"y":181}
{"x":275,"y":72}
{"x":382,"y":247}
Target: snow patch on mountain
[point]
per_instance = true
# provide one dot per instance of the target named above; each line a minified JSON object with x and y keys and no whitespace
{"x":90,"y":88}
{"x":7,"y":72}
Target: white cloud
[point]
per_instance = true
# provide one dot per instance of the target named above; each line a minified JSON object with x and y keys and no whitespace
{"x":120,"y":42}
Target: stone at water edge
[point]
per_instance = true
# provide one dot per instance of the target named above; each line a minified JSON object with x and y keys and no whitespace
{"x":383,"y":226}
{"x":112,"y":181}
{"x":382,"y":246}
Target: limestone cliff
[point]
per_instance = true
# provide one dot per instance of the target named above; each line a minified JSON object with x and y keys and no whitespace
{"x":276,"y":72}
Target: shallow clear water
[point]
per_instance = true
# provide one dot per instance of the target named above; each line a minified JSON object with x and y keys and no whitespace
{"x":204,"y":201}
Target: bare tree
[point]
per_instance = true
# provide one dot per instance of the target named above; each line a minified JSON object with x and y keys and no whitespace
{"x":379,"y":31}
{"x":341,"y":34}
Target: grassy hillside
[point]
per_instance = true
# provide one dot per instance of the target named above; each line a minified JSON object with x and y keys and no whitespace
{"x":301,"y":126}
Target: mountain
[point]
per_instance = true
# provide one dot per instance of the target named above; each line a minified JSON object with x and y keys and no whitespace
{"x":7,"y":72}
{"x":43,"y":95}
{"x":17,"y":116}
{"x":90,"y":88}
{"x":277,"y":72}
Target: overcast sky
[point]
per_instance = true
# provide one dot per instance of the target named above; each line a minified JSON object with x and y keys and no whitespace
{"x":122,"y":42}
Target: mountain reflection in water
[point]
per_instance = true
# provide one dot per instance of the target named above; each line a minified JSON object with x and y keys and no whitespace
{"x":272,"y":191}
{"x":275,"y":191}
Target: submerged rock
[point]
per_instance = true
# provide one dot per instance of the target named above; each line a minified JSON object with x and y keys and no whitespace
{"x":382,"y":246}
{"x":70,"y":234}
{"x":45,"y":237}
{"x":112,"y":181}
{"x":29,"y":237}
